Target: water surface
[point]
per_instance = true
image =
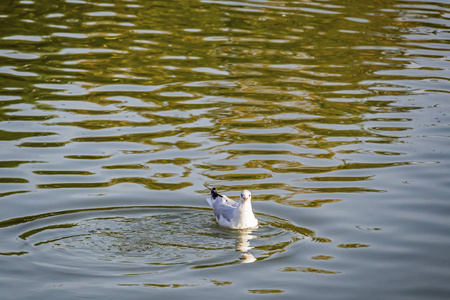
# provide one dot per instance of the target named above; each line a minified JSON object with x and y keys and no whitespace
{"x":113,"y":114}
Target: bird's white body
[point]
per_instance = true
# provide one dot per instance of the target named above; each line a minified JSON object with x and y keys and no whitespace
{"x":232,"y":214}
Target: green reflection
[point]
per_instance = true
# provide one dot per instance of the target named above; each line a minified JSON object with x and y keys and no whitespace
{"x":26,"y":235}
{"x":16,"y":163}
{"x":13,"y":180}
{"x":13,"y":193}
{"x":146,"y":182}
{"x":353,"y":246}
{"x":285,"y":98}
{"x":308,"y":270}
{"x":15,"y":135}
{"x":19,"y":253}
{"x":322,"y":257}
{"x":266,"y":291}
{"x":89,"y":157}
{"x":62,"y":172}
{"x":43,"y":144}
{"x":126,"y":166}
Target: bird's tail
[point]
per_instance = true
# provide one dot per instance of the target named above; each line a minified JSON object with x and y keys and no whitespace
{"x":214,"y":192}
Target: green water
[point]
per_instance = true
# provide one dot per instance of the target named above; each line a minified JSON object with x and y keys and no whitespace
{"x":114,"y":114}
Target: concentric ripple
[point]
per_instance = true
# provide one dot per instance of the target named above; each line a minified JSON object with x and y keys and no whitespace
{"x":151,"y":236}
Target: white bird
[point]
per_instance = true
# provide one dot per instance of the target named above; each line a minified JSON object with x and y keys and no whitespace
{"x":232,"y":214}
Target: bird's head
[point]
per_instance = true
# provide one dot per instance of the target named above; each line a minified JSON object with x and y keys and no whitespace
{"x":246,"y":195}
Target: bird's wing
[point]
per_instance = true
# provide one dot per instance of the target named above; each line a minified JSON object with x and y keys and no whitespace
{"x":210,"y":201}
{"x":228,"y":202}
{"x":224,"y":207}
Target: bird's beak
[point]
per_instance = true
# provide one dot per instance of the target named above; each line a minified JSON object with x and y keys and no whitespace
{"x":245,"y":198}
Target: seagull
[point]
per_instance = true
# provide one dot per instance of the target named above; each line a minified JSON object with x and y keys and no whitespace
{"x":232,"y":214}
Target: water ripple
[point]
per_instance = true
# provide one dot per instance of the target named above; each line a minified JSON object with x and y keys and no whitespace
{"x":334,"y":113}
{"x":159,"y":236}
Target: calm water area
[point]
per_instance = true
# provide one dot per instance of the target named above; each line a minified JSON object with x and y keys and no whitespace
{"x":334,"y":114}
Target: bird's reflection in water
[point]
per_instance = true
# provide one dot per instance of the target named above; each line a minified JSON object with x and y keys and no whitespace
{"x":243,"y":245}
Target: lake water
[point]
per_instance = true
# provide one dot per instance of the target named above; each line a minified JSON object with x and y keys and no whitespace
{"x":114,"y":114}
